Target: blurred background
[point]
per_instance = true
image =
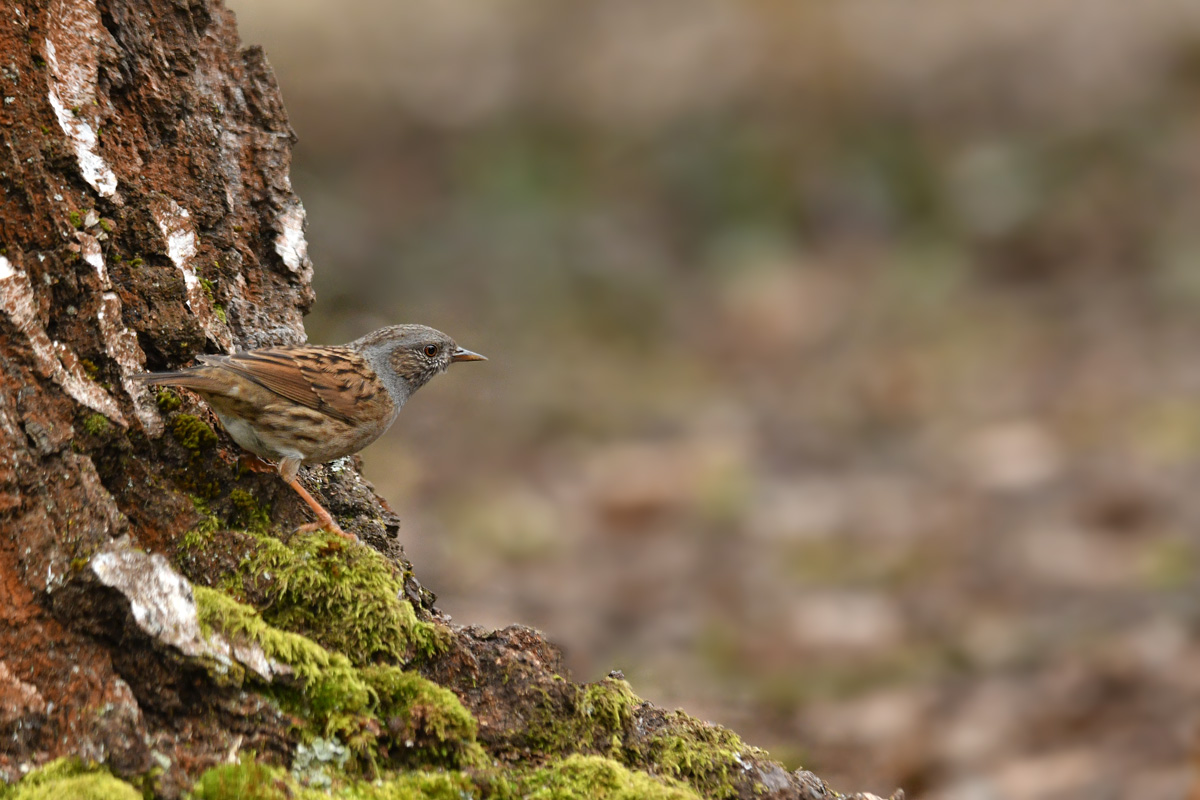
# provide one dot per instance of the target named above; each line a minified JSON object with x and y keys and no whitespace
{"x":845,"y":357}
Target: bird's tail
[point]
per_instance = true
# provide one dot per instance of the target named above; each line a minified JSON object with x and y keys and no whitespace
{"x":185,"y":380}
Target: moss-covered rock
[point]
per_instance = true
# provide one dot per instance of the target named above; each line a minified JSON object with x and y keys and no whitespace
{"x":423,"y":716}
{"x":70,"y":779}
{"x":246,"y":780}
{"x":705,"y":756}
{"x":573,"y":718}
{"x":167,"y":400}
{"x":192,"y":432}
{"x":96,"y":425}
{"x":248,"y":513}
{"x":381,"y":713}
{"x":343,"y":595}
{"x":606,"y":718}
{"x":576,"y":777}
{"x":416,"y":785}
{"x":580,"y":777}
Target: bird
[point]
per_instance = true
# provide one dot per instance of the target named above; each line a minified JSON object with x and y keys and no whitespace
{"x":308,"y":404}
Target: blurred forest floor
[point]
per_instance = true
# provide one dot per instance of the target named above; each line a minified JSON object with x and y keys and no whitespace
{"x":845,"y":357}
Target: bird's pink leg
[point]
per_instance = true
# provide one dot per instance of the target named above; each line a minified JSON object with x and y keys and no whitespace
{"x":324,"y":518}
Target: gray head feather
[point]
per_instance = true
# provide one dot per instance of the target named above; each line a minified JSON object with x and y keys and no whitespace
{"x":405,"y":357}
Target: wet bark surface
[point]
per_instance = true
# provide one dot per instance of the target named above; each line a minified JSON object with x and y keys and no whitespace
{"x":147,"y":216}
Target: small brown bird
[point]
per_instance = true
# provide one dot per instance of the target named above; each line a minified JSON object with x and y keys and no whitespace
{"x":309,"y":404}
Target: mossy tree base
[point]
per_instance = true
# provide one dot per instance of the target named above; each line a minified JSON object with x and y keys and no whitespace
{"x":416,"y":708}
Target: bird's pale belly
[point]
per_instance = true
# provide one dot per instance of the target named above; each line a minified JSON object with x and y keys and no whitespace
{"x":273,"y":443}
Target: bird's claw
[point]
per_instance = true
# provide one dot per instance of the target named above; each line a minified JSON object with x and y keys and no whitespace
{"x":321,"y":525}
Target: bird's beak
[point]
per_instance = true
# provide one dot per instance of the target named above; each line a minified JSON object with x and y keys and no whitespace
{"x":463,"y":354}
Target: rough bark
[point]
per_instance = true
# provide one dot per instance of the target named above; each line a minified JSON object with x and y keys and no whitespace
{"x":147,"y":216}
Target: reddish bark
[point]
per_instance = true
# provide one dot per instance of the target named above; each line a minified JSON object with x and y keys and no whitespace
{"x":146,"y":215}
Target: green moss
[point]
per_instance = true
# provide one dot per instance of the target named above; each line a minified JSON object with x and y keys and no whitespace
{"x":677,"y":746}
{"x":220,"y":612}
{"x":332,"y":696}
{"x":595,"y":717}
{"x":68,"y":778}
{"x":106,"y":225}
{"x":167,"y":400}
{"x":376,"y":710}
{"x":429,"y":716}
{"x":246,"y":780}
{"x":597,"y":778}
{"x":248,"y":514}
{"x":97,"y":425}
{"x":609,"y":703}
{"x":193,"y":433}
{"x":75,"y":219}
{"x":419,"y":785}
{"x":89,"y":368}
{"x":697,"y":752}
{"x":346,"y":596}
{"x":207,"y":286}
{"x":576,"y":777}
{"x":209,"y":523}
{"x":200,"y":537}
{"x":136,"y":261}
{"x":219,"y":310}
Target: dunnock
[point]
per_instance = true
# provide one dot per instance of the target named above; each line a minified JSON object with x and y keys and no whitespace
{"x":309,"y":404}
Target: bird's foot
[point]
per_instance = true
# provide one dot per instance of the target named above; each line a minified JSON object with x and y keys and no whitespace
{"x":330,"y":526}
{"x":324,"y":518}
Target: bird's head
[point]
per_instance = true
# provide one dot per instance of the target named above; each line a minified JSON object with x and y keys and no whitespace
{"x":408,"y":356}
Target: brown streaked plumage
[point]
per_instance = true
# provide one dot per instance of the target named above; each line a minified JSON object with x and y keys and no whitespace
{"x":309,"y":404}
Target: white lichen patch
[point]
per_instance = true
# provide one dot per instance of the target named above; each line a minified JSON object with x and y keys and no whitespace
{"x":163,"y":606}
{"x":122,"y":347}
{"x":290,"y":244}
{"x":54,"y":360}
{"x":119,"y":342}
{"x":72,"y":43}
{"x":174,"y":221}
{"x":90,"y":250}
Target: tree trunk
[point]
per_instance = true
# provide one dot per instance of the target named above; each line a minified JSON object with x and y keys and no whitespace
{"x":157,"y":618}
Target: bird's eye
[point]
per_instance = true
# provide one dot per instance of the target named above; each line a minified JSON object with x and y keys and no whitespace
{"x":431,"y":350}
